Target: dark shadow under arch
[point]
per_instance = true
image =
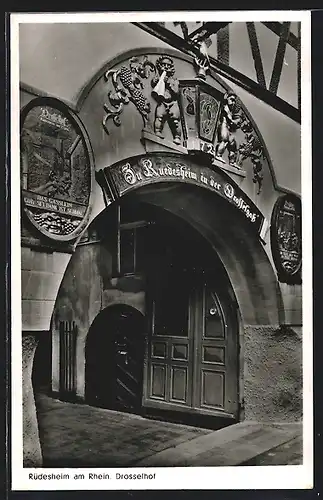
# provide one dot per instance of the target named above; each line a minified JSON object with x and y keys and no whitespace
{"x":42,"y":364}
{"x":240,"y":251}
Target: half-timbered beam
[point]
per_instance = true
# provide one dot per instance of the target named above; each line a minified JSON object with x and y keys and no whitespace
{"x":279,"y":59}
{"x":223,"y":45}
{"x":255,"y":50}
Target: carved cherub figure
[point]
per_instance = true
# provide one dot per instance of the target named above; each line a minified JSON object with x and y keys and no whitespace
{"x":251,"y":148}
{"x":166,"y":93}
{"x":228,"y":124}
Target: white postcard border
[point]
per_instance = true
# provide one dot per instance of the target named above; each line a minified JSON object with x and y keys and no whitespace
{"x":277,"y":477}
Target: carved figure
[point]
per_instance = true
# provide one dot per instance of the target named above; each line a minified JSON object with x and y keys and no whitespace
{"x":202,"y":62}
{"x":166,"y":93}
{"x":251,"y":148}
{"x":229,"y":122}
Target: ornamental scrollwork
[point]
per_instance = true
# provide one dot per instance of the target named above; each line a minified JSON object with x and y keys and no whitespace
{"x":128,"y":85}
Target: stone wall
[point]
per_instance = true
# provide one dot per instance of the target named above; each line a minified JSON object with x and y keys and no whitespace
{"x":32,"y":456}
{"x":272,"y":374}
{"x":41,"y":276}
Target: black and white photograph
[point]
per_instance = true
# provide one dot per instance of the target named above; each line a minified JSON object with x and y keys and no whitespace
{"x":161,"y":250}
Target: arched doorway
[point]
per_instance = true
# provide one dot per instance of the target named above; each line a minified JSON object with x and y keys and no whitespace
{"x":184,"y":352}
{"x":114,"y":359}
{"x":191,"y":347}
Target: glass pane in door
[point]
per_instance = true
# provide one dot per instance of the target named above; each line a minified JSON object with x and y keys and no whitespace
{"x":171,"y":306}
{"x":214,"y":321}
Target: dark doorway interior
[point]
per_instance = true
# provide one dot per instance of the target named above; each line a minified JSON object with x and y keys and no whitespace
{"x":42,"y":365}
{"x":114,"y":359}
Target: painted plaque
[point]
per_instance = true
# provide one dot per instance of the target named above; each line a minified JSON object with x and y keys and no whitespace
{"x":209,"y":109}
{"x":138,"y":171}
{"x":55,"y":171}
{"x":286,"y":238}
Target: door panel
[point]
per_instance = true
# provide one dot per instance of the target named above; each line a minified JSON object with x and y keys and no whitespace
{"x":178,"y":377}
{"x":169,"y":368}
{"x":214,"y":355}
{"x":212,"y":389}
{"x":158,"y":381}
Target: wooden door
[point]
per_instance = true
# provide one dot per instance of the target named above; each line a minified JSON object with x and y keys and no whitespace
{"x":128,"y":346}
{"x":191,"y":362}
{"x":114,"y":359}
{"x":215,"y":387}
{"x":169,"y":347}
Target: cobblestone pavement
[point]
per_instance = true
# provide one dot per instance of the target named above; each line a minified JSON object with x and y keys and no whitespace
{"x":77,"y":435}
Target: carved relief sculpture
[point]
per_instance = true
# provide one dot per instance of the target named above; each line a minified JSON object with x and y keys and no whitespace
{"x":166,"y":93}
{"x":202,"y":62}
{"x":251,"y":148}
{"x":286,"y":238}
{"x":229,"y":123}
{"x":127,"y":83}
{"x":55,"y":171}
{"x":232,"y":118}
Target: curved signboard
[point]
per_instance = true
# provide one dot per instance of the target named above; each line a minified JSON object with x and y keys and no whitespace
{"x":55,"y":169}
{"x":138,"y":171}
{"x":286,"y":238}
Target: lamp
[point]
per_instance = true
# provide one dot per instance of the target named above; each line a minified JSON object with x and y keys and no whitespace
{"x":200,"y":108}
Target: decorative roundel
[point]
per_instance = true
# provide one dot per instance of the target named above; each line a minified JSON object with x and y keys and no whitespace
{"x":56,"y":169}
{"x":286,"y":237}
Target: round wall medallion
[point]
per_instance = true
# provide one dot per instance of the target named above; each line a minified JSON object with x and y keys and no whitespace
{"x":286,"y":237}
{"x":56,"y":169}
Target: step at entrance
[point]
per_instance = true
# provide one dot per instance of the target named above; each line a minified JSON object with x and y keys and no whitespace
{"x":230,"y":446}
